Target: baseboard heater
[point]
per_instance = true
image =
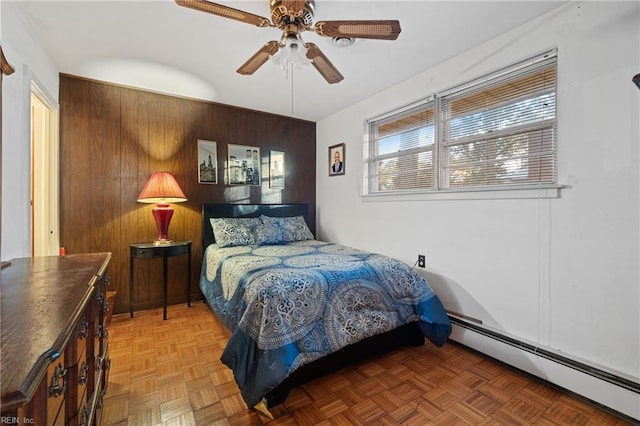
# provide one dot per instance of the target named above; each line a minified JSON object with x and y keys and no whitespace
{"x":606,"y":376}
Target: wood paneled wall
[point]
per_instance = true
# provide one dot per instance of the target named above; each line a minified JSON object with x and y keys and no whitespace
{"x":112,"y":138}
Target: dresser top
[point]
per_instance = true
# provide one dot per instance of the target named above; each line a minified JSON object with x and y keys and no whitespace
{"x":41,"y":299}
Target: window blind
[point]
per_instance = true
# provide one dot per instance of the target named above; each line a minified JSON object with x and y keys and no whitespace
{"x":501,"y":132}
{"x":402,"y":150}
{"x":498,"y":131}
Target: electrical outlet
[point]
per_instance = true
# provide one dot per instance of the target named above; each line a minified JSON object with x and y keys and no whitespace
{"x":421,"y":261}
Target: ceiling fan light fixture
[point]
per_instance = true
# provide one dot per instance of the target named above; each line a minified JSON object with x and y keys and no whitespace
{"x":343,"y":41}
{"x":292,"y":52}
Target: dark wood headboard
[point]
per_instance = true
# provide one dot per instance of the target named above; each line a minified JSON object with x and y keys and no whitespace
{"x":248,"y":210}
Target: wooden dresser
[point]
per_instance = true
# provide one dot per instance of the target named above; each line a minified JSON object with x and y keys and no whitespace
{"x":55,"y":350}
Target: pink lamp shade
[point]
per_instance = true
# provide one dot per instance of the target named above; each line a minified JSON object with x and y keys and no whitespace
{"x":162,"y":189}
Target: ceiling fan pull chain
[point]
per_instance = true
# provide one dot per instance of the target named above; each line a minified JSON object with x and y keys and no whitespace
{"x":291,"y":66}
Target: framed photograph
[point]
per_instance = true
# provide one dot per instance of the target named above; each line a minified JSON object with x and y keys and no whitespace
{"x":276,"y":169}
{"x":207,"y":161}
{"x":243,"y":165}
{"x":337,"y":161}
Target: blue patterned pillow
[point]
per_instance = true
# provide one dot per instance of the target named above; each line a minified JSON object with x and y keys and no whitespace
{"x":295,"y":228}
{"x":234,"y":231}
{"x":269,"y":233}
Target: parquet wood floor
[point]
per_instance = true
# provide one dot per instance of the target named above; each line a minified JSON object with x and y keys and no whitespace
{"x":169,"y":373}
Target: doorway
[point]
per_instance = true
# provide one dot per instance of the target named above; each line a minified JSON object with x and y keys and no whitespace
{"x":45,"y":238}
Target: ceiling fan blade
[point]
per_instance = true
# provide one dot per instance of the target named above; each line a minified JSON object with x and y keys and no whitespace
{"x":382,"y":30}
{"x":323,"y":64}
{"x":225,"y":12}
{"x":259,"y":58}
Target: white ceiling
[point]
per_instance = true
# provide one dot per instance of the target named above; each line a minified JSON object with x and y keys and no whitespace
{"x":163,"y":47}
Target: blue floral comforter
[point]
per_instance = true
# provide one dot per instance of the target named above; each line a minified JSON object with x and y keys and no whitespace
{"x":290,"y":304}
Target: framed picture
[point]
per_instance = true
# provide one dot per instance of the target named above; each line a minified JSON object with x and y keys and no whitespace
{"x":276,"y":169}
{"x":243,"y":165}
{"x":207,"y":161}
{"x":337,"y":161}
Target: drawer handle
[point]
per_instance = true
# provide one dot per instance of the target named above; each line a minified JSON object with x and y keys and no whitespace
{"x":101,"y":399}
{"x":84,"y":373}
{"x":83,"y":329}
{"x":84,"y":419}
{"x":58,"y":381}
{"x":100,"y":298}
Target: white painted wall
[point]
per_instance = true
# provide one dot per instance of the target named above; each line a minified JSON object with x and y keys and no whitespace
{"x":32,"y":64}
{"x":559,"y":272}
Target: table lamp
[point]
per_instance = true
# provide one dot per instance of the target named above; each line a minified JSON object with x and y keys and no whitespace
{"x":162,"y":189}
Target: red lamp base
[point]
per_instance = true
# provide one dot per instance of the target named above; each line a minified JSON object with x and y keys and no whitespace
{"x":162,"y":213}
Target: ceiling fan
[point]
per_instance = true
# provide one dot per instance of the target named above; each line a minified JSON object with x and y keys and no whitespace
{"x":293,"y":17}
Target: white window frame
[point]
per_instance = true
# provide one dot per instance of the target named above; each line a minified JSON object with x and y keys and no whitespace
{"x":440,"y":189}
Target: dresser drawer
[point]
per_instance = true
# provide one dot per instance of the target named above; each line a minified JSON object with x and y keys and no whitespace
{"x":106,"y":367}
{"x":82,"y":335}
{"x":81,"y":416}
{"x":95,"y":307}
{"x":57,"y":378}
{"x":83,"y":381}
{"x":77,"y":387}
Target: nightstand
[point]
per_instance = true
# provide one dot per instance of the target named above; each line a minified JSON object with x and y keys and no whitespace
{"x":165,"y":250}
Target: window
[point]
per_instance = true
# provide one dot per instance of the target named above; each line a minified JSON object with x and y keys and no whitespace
{"x":493,"y":133}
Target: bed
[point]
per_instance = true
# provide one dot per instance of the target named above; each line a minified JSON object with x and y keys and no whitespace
{"x":298,"y":308}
